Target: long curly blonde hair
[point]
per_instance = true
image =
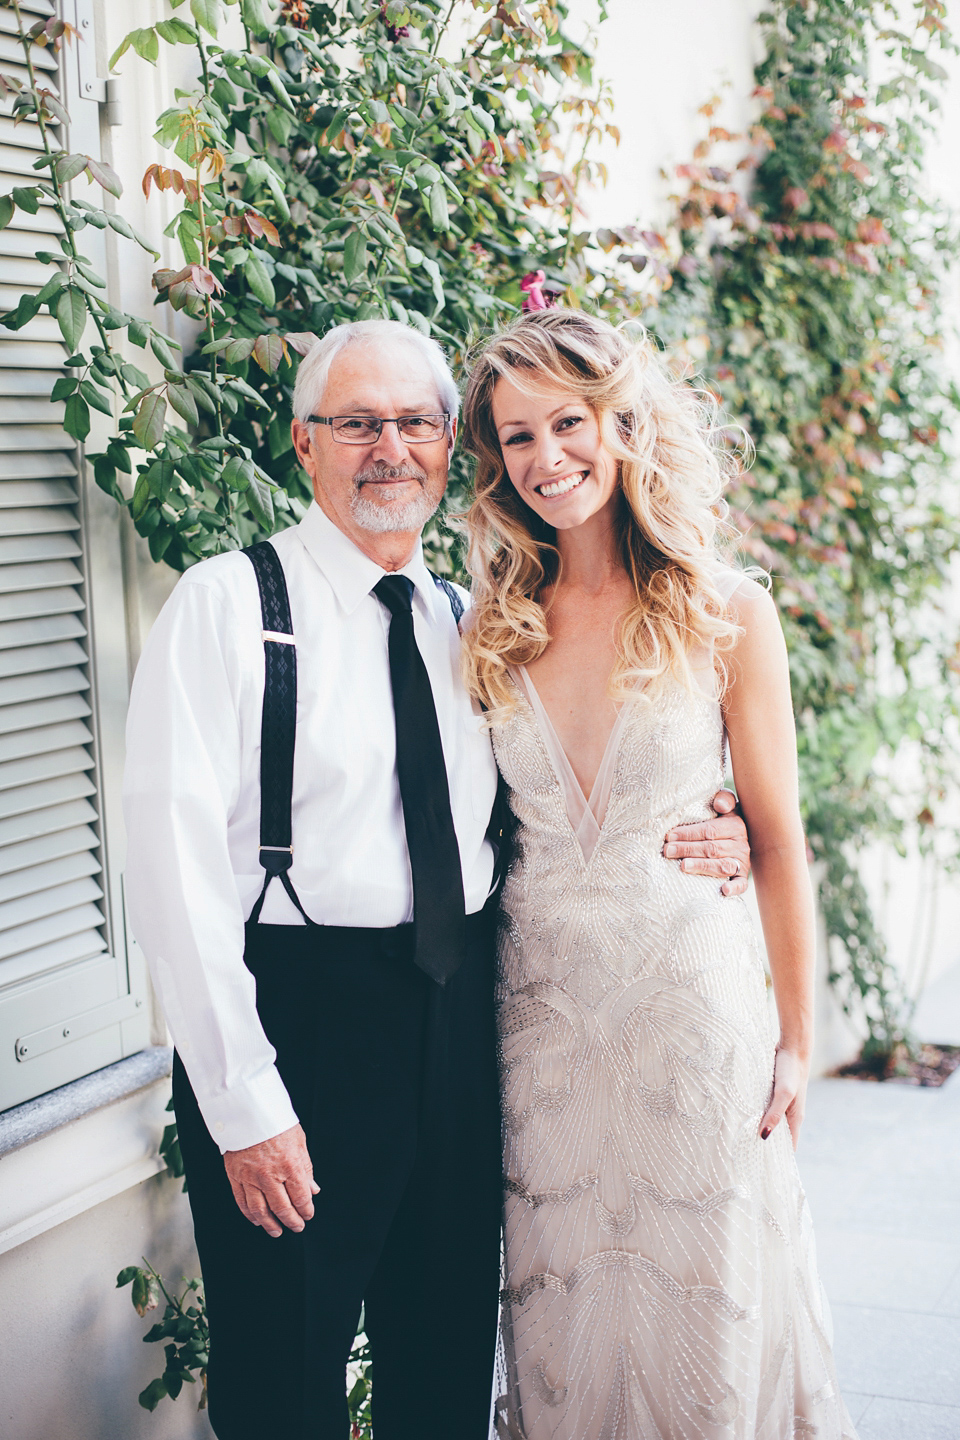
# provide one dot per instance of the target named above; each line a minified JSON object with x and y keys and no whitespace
{"x":673,"y":466}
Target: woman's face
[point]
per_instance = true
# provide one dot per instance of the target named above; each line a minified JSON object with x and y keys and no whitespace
{"x":553,"y":453}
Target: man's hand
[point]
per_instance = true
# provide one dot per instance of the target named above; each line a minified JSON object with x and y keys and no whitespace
{"x":716,"y":847}
{"x":273,"y":1182}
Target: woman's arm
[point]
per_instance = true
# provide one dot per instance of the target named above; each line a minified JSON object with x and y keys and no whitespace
{"x":763,"y":748}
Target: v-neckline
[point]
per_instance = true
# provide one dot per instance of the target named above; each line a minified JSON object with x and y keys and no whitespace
{"x":586,"y":813}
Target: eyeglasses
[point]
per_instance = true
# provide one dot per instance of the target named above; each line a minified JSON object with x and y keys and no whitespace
{"x":366,"y":429}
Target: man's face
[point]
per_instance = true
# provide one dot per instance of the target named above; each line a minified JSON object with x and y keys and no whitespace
{"x":388,"y":487}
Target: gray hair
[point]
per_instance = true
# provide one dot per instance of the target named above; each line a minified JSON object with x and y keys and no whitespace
{"x":315,"y":365}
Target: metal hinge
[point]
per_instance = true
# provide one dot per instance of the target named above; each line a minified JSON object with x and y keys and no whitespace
{"x":38,"y":1042}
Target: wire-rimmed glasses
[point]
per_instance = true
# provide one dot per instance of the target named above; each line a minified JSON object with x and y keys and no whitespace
{"x":366,"y":429}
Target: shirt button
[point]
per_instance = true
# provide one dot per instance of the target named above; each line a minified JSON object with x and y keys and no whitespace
{"x":219,"y":1127}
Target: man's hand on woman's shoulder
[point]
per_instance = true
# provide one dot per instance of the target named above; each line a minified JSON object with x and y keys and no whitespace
{"x":717,"y":847}
{"x":273,"y":1182}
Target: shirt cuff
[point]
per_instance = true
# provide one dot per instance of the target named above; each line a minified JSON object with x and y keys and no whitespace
{"x":249,"y":1112}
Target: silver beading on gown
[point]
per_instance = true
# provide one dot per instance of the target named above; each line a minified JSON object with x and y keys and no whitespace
{"x":661,"y":1280}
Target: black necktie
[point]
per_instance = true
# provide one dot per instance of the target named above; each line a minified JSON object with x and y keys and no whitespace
{"x":438,"y":905}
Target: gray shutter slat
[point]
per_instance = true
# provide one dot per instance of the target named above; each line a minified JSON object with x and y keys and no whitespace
{"x":69,"y":840}
{"x":35,"y":604}
{"x":82,"y":946}
{"x":39,"y":576}
{"x":41,"y":742}
{"x":32,"y":355}
{"x":34,"y":823}
{"x":35,"y":437}
{"x":22,"y":465}
{"x":26,"y":798}
{"x":45,"y":766}
{"x":20,"y":688}
{"x":33,"y":713}
{"x":37,"y":519}
{"x":21,"y":938}
{"x":26,"y":909}
{"x":34,"y":659}
{"x":19,"y":409}
{"x":28,"y":549}
{"x":43,"y":877}
{"x":23,"y":494}
{"x":24,"y":270}
{"x":40,"y":630}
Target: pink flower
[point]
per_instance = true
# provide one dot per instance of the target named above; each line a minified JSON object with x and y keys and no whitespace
{"x":533,"y":296}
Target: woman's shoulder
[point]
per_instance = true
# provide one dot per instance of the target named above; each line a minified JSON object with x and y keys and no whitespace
{"x":736,"y":586}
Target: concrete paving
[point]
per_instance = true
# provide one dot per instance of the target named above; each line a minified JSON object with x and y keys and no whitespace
{"x":881,"y":1168}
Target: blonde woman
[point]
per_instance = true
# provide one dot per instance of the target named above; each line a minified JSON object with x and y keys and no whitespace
{"x":660,"y":1271}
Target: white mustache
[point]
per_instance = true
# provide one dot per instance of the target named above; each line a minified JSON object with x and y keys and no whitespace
{"x":379,"y":471}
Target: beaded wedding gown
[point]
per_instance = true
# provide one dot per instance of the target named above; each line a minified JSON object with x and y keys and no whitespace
{"x":661,"y":1281}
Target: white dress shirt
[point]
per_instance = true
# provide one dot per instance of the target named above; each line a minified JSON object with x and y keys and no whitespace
{"x":192,"y":794}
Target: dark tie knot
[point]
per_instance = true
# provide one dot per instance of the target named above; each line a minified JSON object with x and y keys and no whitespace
{"x":396,"y":592}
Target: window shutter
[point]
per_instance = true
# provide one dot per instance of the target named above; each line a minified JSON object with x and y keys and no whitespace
{"x":64,"y":988}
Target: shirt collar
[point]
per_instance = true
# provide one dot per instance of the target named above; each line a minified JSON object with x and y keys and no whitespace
{"x":352,"y":575}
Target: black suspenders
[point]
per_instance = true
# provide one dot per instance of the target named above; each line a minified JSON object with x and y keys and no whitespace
{"x":278,"y":728}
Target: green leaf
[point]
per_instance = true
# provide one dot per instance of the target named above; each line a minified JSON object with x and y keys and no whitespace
{"x":163,"y":352}
{"x":76,"y":417}
{"x":138,"y":332}
{"x":149,"y":419}
{"x":200,"y":394}
{"x":207,"y":14}
{"x":251,"y":12}
{"x":237,"y":351}
{"x":62,"y":387}
{"x":27,"y":197}
{"x":276,"y":85}
{"x":69,"y":167}
{"x":94,"y":396}
{"x":108,"y":178}
{"x":121,"y":49}
{"x":94,"y":279}
{"x":146,"y":44}
{"x":27,"y":306}
{"x":439,"y":212}
{"x":176,"y":32}
{"x":71,"y":316}
{"x":126,"y":1275}
{"x":260,"y":499}
{"x":268,"y":352}
{"x":183,"y":402}
{"x":141,"y":497}
{"x":354,"y":255}
{"x":237,"y":383}
{"x":154,"y":1393}
{"x":7,"y":210}
{"x":255,"y":274}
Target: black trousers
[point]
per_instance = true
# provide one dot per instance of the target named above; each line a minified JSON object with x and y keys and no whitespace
{"x":394,"y":1080}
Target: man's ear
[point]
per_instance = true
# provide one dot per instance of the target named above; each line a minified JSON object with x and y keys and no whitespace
{"x":300,"y":435}
{"x":453,"y":434}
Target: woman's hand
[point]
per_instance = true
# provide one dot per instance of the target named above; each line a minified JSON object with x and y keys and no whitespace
{"x":790,"y":1075}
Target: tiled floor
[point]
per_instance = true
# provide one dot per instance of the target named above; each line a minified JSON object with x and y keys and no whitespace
{"x":881,"y":1167}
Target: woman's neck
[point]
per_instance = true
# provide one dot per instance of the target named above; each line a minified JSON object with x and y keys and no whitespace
{"x":590,"y":554}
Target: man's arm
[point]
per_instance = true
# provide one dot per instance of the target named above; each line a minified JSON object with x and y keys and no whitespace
{"x":717,"y":847}
{"x":181,"y":784}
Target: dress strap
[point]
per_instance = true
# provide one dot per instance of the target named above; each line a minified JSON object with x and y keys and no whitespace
{"x":278,"y":726}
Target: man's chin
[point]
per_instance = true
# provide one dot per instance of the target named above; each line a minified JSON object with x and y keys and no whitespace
{"x":392,"y":517}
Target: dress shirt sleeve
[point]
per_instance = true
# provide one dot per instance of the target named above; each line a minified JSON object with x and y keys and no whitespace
{"x":182,"y":779}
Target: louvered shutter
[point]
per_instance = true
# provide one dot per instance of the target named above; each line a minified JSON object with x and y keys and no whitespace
{"x":64,"y":989}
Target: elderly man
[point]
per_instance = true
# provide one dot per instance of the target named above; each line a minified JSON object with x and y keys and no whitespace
{"x":308,"y":798}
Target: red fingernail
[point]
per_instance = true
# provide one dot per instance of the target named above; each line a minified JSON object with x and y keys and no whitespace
{"x":764,"y":1133}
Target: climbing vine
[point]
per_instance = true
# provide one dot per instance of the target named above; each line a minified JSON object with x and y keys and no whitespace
{"x":803,"y":277}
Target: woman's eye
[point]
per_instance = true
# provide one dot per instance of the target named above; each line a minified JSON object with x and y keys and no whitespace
{"x":518,"y":438}
{"x":570,"y":420}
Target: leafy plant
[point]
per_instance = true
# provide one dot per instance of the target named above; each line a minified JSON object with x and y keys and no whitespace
{"x":405,"y":184}
{"x":184,"y":1326}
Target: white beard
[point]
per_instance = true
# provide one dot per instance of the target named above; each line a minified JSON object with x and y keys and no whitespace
{"x":393,"y":517}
